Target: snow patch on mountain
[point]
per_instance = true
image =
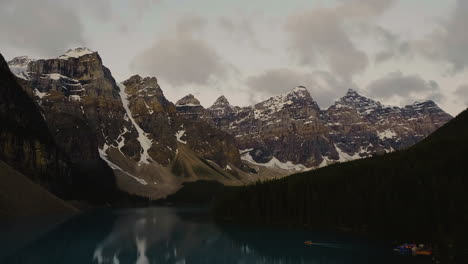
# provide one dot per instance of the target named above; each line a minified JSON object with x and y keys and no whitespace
{"x":343,"y":156}
{"x":179,"y":134}
{"x":145,"y":142}
{"x":189,"y":101}
{"x":325,"y":162}
{"x":76,"y":53}
{"x":121,"y":140}
{"x":363,"y":105}
{"x":19,"y":66}
{"x":188,"y":105}
{"x":274,"y":163}
{"x":55,"y":76}
{"x":150,"y":111}
{"x":267,"y":108}
{"x":74,"y":98}
{"x":103,"y":156}
{"x":39,"y":94}
{"x":298,"y":91}
{"x":222,"y":107}
{"x":387,"y":134}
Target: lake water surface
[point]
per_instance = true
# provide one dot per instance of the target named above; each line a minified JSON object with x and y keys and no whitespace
{"x":181,"y":235}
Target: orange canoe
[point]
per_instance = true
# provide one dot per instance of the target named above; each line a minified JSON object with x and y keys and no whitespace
{"x":423,"y":252}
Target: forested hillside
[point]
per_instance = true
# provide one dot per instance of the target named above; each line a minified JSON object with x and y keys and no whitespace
{"x":418,"y":192}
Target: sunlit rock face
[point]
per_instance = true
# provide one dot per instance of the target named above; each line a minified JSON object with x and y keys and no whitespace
{"x":291,"y":128}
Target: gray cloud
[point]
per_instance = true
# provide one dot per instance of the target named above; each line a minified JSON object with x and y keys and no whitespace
{"x":393,"y":45}
{"x":100,"y":9}
{"x":142,"y":6}
{"x":455,"y":39}
{"x":406,"y":87}
{"x":191,"y":24}
{"x":364,"y":8}
{"x":276,"y":81}
{"x":180,"y":58}
{"x":241,"y":30}
{"x":323,"y":86}
{"x":320,"y":34}
{"x":46,"y":27}
{"x":462,"y":93}
{"x":449,"y":42}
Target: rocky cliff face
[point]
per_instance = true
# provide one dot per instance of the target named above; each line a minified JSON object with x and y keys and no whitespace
{"x":291,"y":131}
{"x":204,"y":137}
{"x":167,"y":125}
{"x":283,"y":128}
{"x":28,"y":146}
{"x":148,"y":141}
{"x":80,"y":100}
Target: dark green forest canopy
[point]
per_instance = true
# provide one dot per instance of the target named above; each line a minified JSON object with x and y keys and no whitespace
{"x":420,"y":191}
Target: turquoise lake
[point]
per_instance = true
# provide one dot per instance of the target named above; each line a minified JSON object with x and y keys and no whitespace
{"x":182,"y":235}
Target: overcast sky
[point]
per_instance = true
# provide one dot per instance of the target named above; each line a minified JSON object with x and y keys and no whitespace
{"x":396,"y":51}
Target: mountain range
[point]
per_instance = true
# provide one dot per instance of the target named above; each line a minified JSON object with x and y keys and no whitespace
{"x":153,"y":146}
{"x":414,"y":194}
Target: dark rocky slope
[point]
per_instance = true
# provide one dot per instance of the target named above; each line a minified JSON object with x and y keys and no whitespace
{"x":21,"y":197}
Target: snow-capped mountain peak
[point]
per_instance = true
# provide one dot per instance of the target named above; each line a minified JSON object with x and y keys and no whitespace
{"x":298,"y":92}
{"x":20,"y":61}
{"x":222,"y":101}
{"x":19,"y":66}
{"x":188,"y":100}
{"x":427,"y":106}
{"x":426,"y":102}
{"x":222,"y":107}
{"x":352,"y":92}
{"x":353,"y":96}
{"x":362,"y":104}
{"x":76,"y":53}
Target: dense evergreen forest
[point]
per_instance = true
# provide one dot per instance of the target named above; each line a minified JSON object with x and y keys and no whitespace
{"x":419,"y":193}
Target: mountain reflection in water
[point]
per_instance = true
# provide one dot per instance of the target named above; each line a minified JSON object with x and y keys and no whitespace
{"x":180,"y":235}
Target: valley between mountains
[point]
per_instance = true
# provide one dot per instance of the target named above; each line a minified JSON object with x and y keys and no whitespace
{"x":128,"y":136}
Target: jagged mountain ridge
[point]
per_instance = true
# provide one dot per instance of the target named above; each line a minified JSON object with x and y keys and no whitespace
{"x":151,"y":145}
{"x":292,"y":129}
{"x":154,"y":145}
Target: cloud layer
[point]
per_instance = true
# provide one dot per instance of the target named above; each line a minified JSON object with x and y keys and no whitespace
{"x":47,"y":27}
{"x":180,"y":58}
{"x":320,"y":35}
{"x":462,"y":94}
{"x":406,"y":87}
{"x":451,"y":41}
{"x":390,"y":48}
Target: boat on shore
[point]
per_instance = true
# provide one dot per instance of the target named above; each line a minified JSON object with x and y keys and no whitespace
{"x":413,"y":249}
